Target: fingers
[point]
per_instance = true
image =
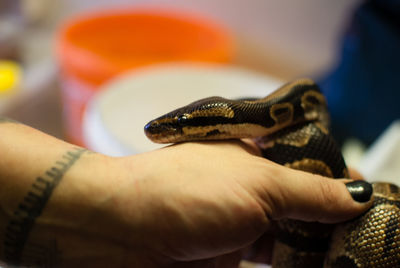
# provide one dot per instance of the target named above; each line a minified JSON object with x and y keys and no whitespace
{"x":304,"y":196}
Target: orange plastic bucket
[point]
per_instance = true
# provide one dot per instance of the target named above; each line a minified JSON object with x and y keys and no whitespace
{"x":95,"y":47}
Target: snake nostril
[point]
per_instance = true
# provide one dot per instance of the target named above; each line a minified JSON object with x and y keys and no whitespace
{"x":151,"y":127}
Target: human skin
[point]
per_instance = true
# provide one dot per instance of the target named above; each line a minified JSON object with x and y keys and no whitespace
{"x":188,"y":205}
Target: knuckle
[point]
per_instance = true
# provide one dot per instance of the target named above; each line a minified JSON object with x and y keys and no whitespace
{"x":328,"y":194}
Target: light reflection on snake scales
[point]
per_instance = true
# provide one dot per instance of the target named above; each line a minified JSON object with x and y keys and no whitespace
{"x":372,"y":240}
{"x":291,"y":128}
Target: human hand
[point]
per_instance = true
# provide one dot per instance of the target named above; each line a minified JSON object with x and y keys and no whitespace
{"x":205,"y":204}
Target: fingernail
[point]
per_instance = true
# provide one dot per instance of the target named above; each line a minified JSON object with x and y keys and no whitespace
{"x":361,"y":191}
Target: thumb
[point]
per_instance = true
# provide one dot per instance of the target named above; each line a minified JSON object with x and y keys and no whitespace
{"x":308,"y":197}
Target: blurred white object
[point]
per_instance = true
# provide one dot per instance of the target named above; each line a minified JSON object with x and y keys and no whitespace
{"x":382,"y":161}
{"x":115,"y":118}
{"x":353,"y":151}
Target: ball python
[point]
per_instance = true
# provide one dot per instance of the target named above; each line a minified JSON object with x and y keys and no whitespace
{"x":291,"y":127}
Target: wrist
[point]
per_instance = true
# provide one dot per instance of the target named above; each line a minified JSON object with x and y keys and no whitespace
{"x":61,"y":205}
{"x":82,"y":219}
{"x":113,"y":208}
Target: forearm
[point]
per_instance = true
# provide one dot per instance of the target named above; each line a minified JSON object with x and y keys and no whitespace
{"x":51,"y":192}
{"x":27,"y":159}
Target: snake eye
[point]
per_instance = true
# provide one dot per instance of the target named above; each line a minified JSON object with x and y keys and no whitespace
{"x":183,"y":119}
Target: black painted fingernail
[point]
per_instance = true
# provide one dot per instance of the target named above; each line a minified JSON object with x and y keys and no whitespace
{"x":361,"y":191}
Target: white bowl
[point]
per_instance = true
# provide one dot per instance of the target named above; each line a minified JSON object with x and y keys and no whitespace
{"x":115,"y":117}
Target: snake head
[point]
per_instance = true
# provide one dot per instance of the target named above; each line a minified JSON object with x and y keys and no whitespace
{"x":200,"y":120}
{"x":217,"y":118}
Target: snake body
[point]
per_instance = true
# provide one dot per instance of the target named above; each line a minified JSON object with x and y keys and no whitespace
{"x":291,"y":127}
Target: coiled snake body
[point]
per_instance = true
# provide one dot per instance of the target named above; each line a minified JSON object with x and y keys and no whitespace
{"x":291,"y":128}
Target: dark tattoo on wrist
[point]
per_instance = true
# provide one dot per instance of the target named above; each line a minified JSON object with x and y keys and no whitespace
{"x":16,"y":248}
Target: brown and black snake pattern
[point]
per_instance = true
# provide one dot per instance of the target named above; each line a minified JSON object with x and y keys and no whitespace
{"x":373,"y":239}
{"x":304,"y":244}
{"x":291,"y":128}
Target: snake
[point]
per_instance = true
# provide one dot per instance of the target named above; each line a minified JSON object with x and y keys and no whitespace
{"x":291,"y":126}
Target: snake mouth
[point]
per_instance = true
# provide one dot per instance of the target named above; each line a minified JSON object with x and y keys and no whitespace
{"x":161,"y":133}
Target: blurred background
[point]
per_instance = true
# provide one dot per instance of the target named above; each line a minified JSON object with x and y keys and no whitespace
{"x":283,"y":39}
{"x":93,"y":72}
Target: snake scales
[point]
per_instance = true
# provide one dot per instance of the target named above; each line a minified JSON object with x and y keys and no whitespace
{"x":291,"y":128}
